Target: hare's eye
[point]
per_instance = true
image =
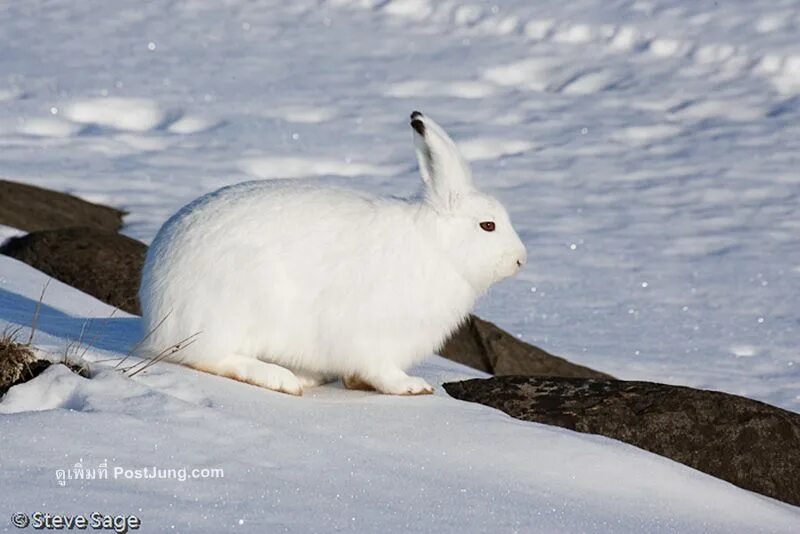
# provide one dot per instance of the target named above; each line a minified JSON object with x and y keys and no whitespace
{"x":487,"y":226}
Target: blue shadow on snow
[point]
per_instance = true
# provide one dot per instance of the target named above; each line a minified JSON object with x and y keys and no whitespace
{"x":116,"y":334}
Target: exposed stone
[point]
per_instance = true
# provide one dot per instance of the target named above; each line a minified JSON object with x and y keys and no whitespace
{"x":103,"y":264}
{"x":487,"y":347}
{"x":32,"y":208}
{"x":748,"y":443}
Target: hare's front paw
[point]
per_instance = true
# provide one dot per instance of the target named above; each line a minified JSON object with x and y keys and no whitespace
{"x":410,"y":385}
{"x":413,"y":385}
{"x":399,"y":383}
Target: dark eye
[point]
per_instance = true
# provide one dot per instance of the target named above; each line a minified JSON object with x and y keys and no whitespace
{"x":487,"y":226}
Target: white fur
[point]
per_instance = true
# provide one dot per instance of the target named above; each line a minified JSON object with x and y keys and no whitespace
{"x":324,"y":282}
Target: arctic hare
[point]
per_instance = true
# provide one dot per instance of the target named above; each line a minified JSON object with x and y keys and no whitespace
{"x":288,"y":284}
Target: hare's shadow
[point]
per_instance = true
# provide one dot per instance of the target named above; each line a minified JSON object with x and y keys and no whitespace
{"x":117,"y":334}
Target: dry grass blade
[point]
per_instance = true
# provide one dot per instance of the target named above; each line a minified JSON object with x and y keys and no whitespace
{"x":36,"y":312}
{"x":141,"y":341}
{"x":74,"y":344}
{"x":15,"y":360}
{"x":164,"y":354}
{"x":9,"y":334}
{"x":97,"y":335}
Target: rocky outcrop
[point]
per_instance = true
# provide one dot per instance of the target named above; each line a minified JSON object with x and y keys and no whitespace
{"x":31,"y":208}
{"x":748,"y":443}
{"x":103,"y":264}
{"x":485,"y":346}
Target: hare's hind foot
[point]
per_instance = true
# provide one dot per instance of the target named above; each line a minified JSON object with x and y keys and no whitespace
{"x":393,"y":382}
{"x":253,"y":371}
{"x":311,"y":379}
{"x":357,"y":383}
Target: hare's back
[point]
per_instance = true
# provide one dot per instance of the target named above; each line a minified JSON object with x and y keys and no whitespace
{"x":274,"y":210}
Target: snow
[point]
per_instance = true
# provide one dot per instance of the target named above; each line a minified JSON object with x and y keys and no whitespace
{"x":330,"y":460}
{"x":266,"y":168}
{"x":7,"y":232}
{"x":127,"y":114}
{"x":647,"y":152}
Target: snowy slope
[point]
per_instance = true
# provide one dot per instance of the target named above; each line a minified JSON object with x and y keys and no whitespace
{"x":331,"y":460}
{"x":648,"y":154}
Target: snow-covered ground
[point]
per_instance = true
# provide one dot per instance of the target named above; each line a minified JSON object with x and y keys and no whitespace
{"x":648,"y":152}
{"x":332,"y":460}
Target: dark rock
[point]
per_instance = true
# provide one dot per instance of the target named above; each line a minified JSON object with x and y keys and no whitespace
{"x":103,"y":264}
{"x":31,"y":208}
{"x":748,"y":443}
{"x":486,"y":347}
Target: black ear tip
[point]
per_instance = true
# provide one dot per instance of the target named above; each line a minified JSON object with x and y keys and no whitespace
{"x":417,"y":123}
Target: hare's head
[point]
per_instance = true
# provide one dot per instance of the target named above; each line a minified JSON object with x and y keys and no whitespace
{"x":472,"y":227}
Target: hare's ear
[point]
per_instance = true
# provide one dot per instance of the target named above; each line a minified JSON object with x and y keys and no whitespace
{"x":445,"y":172}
